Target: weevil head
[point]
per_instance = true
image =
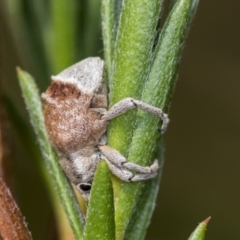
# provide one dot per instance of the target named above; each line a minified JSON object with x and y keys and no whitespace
{"x":80,"y":170}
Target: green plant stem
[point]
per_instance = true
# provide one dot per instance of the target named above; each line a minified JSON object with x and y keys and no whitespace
{"x":132,"y":52}
{"x":134,"y":43}
{"x":133,"y":48}
{"x":62,"y":186}
{"x":157,"y":92}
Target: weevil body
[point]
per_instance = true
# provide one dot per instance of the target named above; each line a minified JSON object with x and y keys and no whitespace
{"x":75,"y":111}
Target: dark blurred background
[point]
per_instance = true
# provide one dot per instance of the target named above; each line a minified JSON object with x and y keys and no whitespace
{"x":201,"y":173}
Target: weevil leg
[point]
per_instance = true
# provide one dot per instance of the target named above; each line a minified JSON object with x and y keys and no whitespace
{"x":143,"y":177}
{"x":128,"y":176}
{"x":129,"y":103}
{"x":121,"y":173}
{"x":120,"y":167}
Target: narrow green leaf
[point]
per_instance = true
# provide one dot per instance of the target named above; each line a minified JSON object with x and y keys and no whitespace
{"x":63,"y":188}
{"x":134,"y":42}
{"x":135,"y":39}
{"x":27,"y":44}
{"x":41,"y":12}
{"x":100,"y":216}
{"x":62,"y":33}
{"x":143,"y":212}
{"x":34,"y":36}
{"x":117,"y":9}
{"x":157,"y":92}
{"x":110,"y":13}
{"x":91,"y":34}
{"x":199,"y":232}
{"x":41,"y":22}
{"x":108,"y":32}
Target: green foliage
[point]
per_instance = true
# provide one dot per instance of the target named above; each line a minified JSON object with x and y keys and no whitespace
{"x":140,"y":220}
{"x":140,"y":62}
{"x":64,"y":190}
{"x":199,"y":232}
{"x":136,"y":135}
{"x":100,"y":215}
{"x":62,"y":31}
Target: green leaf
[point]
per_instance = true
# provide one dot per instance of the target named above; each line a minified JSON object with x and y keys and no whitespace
{"x":143,"y":212}
{"x":91,"y":33}
{"x":157,"y":92}
{"x":108,"y":32}
{"x":199,"y":232}
{"x":135,"y":39}
{"x":134,"y":44}
{"x":62,"y":33}
{"x":27,"y":37}
{"x":100,"y":216}
{"x":63,"y":188}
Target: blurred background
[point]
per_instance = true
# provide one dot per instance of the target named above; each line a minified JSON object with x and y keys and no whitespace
{"x":202,"y":161}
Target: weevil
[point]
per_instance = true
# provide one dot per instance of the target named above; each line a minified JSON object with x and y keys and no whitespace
{"x":76,"y":116}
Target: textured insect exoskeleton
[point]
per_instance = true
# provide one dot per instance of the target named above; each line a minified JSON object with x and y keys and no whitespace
{"x":76,"y":115}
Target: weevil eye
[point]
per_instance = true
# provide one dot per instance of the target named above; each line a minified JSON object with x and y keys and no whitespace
{"x":85,"y":187}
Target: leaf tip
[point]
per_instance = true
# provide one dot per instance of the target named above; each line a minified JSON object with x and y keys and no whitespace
{"x":20,"y":72}
{"x":206,"y":220}
{"x":18,"y":69}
